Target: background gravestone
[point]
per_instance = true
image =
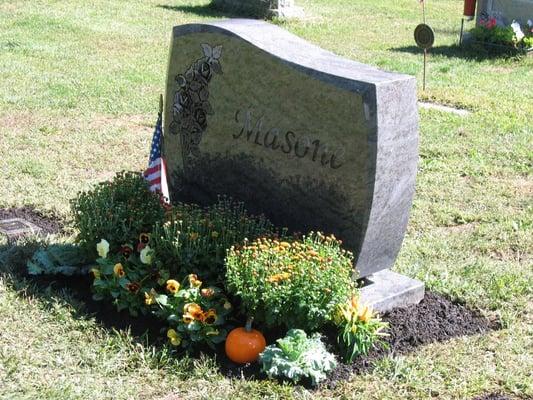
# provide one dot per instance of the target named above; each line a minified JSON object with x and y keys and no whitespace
{"x":313,"y":141}
{"x":505,"y":11}
{"x":260,"y":8}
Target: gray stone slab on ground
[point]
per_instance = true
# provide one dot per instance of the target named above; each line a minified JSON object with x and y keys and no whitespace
{"x":312,"y":140}
{"x":388,"y":289}
{"x":14,"y":228}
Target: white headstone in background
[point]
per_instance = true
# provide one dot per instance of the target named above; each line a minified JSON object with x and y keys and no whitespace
{"x":505,"y":11}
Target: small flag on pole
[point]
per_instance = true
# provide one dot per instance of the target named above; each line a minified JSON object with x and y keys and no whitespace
{"x":156,"y":173}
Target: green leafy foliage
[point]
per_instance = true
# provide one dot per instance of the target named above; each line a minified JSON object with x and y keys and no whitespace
{"x":496,"y":35}
{"x":117,"y":210}
{"x":196,"y":315}
{"x":359,"y":329}
{"x":293,"y":283}
{"x":297,"y":357}
{"x":65,"y":259}
{"x":195,"y":239}
{"x":528,"y":42}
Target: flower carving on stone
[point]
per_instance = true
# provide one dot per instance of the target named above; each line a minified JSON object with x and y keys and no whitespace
{"x":191,"y":106}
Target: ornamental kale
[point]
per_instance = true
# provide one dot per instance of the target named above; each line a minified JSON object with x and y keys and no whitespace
{"x":297,"y":357}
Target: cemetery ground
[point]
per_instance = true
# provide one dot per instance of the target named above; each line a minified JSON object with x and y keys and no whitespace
{"x":78,"y":98}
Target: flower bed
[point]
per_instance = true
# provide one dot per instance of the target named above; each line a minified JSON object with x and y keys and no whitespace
{"x":204,"y":271}
{"x":514,"y":37}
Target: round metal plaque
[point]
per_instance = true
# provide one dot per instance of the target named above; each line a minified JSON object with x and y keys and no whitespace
{"x":424,"y":36}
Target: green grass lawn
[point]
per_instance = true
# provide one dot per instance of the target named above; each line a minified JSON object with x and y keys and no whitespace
{"x":79,"y":89}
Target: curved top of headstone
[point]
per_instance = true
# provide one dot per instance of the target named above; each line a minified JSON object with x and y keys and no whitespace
{"x":294,"y":50}
{"x":312,"y":140}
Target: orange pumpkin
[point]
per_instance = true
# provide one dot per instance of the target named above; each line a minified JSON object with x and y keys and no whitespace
{"x":244,"y":344}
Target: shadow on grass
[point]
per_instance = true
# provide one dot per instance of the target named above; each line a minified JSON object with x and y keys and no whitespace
{"x":207,"y":10}
{"x":74,"y":291}
{"x":474,"y":52}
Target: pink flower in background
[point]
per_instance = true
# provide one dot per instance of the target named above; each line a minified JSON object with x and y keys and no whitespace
{"x":488,"y":23}
{"x":491,"y":23}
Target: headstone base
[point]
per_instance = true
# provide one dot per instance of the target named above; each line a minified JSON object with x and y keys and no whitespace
{"x":386,"y":290}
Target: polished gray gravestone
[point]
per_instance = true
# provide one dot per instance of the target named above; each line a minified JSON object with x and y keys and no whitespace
{"x":312,"y":140}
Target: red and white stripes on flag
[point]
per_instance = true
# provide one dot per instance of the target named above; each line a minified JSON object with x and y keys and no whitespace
{"x":156,"y":173}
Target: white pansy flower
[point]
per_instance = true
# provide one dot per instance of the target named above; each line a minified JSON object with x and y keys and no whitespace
{"x":146,"y":255}
{"x":102,"y":248}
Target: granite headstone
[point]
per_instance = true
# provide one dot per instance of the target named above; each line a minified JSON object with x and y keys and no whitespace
{"x":312,"y":140}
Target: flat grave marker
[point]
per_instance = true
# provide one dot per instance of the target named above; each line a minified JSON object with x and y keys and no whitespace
{"x":13,"y":228}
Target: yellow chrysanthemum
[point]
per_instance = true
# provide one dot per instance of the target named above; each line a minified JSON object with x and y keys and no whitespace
{"x":276,"y":278}
{"x":173,"y":286}
{"x":174,"y":337}
{"x":118,"y":270}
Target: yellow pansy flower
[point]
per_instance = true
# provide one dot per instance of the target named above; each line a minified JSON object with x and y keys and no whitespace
{"x":149,"y":297}
{"x":175,"y":338}
{"x":173,"y":286}
{"x":207,"y":292}
{"x":96,"y":273}
{"x":194,"y":281}
{"x":210,"y":317}
{"x":118,"y":270}
{"x":188,"y":318}
{"x":193,"y":310}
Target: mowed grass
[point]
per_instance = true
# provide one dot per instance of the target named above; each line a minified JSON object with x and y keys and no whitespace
{"x":79,"y":89}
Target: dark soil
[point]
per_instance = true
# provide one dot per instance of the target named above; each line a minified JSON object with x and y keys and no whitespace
{"x":435,"y":319}
{"x":49,"y":224}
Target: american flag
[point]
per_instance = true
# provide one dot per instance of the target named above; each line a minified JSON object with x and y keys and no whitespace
{"x":156,"y":173}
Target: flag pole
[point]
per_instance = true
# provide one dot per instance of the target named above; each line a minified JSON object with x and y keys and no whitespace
{"x":160,"y":104}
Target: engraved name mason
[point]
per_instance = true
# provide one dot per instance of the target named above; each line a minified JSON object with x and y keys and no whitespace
{"x":287,"y":142}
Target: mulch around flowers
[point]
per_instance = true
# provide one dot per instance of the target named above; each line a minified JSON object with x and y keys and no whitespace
{"x":435,"y":319}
